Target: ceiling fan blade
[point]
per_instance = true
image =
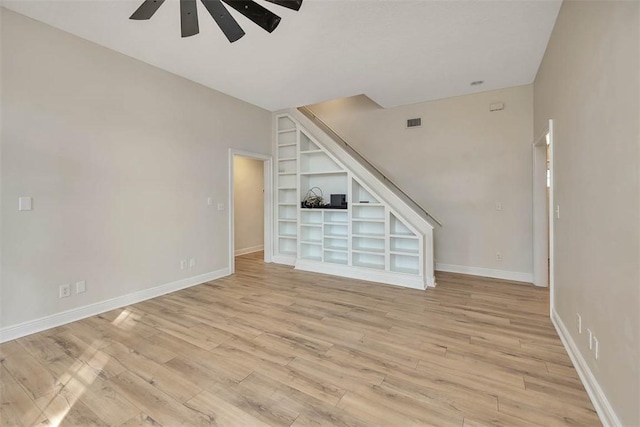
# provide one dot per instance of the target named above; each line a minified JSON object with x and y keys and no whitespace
{"x":223,"y":18}
{"x":258,"y":14}
{"x":146,"y":9}
{"x":189,"y":18}
{"x":291,"y":4}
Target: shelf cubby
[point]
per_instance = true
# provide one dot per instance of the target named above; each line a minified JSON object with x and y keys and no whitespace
{"x":336,"y":217}
{"x":408,"y":264}
{"x":361,"y":194}
{"x":368,"y":212}
{"x":398,"y":228}
{"x":311,"y":251}
{"x":287,"y":151}
{"x":335,"y":230}
{"x":287,"y":166}
{"x":286,"y":124}
{"x":333,"y":183}
{"x":368,"y":244}
{"x":287,"y":137}
{"x":336,"y":257}
{"x":287,"y":229}
{"x":287,"y":182}
{"x":404,"y":245}
{"x":311,"y":216}
{"x":306,"y":144}
{"x":336,"y":243}
{"x":286,"y":245}
{"x":368,"y":260}
{"x":287,"y":212}
{"x":313,"y":161}
{"x":368,"y":228}
{"x":287,"y":196}
{"x":311,"y":233}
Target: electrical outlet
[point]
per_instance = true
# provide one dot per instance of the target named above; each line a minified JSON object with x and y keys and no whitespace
{"x":590,"y":334}
{"x":220,"y":206}
{"x":558,"y":211}
{"x":579,"y":323}
{"x":183,"y":264}
{"x":192,"y":262}
{"x":81,"y":287}
{"x":65,"y":290}
{"x":498,"y":256}
{"x":596,"y":348}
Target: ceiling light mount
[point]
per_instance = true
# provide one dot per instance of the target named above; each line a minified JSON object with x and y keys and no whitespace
{"x":259,"y":15}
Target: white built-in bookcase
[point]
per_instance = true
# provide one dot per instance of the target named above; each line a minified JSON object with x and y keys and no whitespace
{"x":368,"y":240}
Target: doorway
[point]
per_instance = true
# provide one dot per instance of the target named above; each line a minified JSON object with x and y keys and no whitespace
{"x":543,"y":211}
{"x":250,"y":202}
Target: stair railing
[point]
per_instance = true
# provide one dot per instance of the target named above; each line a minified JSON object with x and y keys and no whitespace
{"x":366,"y":163}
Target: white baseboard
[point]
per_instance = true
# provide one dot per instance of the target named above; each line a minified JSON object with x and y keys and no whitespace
{"x":431,"y":282}
{"x":486,"y":272}
{"x":397,"y":279}
{"x":284,"y":259}
{"x":9,"y":333}
{"x":604,"y":409}
{"x":248,"y":250}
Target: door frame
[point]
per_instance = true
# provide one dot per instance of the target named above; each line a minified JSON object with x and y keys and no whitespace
{"x":543,"y":221}
{"x":268,"y":204}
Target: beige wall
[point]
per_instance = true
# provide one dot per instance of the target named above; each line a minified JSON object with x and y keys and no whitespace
{"x":458,"y":165}
{"x":588,"y":84}
{"x":120,"y":158}
{"x":248,"y":212}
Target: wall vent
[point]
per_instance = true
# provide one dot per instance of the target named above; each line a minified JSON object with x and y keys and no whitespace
{"x":414,"y":123}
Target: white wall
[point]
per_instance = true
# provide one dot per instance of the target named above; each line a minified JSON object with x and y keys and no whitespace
{"x":248,"y":198}
{"x":461,"y":162}
{"x":588,"y":84}
{"x":120,"y":158}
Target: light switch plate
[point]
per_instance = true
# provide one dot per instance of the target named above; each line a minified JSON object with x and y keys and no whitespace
{"x":81,"y":287}
{"x":25,"y":203}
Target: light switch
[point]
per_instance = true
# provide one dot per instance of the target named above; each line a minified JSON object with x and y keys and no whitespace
{"x":209,"y":201}
{"x":220,"y":206}
{"x":81,"y":287}
{"x":25,"y":203}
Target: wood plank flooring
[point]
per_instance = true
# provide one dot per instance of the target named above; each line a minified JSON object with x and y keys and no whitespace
{"x":271,"y":346}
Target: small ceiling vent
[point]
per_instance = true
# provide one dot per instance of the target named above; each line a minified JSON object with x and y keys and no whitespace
{"x":414,"y":123}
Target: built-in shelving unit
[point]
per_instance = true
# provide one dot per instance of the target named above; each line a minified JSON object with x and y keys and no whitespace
{"x":367,"y":240}
{"x":287,"y":188}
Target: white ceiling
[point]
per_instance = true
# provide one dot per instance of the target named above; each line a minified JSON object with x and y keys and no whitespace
{"x":396,"y":52}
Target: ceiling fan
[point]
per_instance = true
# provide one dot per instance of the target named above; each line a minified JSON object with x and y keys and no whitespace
{"x":229,"y":26}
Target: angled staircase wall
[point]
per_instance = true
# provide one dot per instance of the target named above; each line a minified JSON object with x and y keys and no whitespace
{"x":379,"y":237}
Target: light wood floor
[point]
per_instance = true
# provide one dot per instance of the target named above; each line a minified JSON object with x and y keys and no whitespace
{"x":275,"y":346}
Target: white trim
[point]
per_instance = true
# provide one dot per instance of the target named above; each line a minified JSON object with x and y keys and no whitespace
{"x":540,"y":212}
{"x":284,"y":259}
{"x":604,"y":409}
{"x":380,"y":276}
{"x":486,"y":272}
{"x":268,"y":204}
{"x":431,"y":282}
{"x":248,"y":250}
{"x":552,"y":291}
{"x":9,"y":333}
